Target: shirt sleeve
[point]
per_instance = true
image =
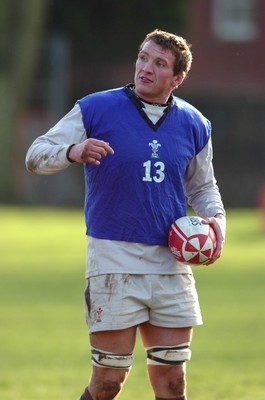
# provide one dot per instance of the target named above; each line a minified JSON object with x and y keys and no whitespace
{"x":47,"y":154}
{"x":200,"y":184}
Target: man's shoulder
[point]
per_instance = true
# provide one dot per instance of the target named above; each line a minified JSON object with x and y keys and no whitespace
{"x":105,"y":102}
{"x":189,"y":110}
{"x":185,"y":105}
{"x":110,"y":94}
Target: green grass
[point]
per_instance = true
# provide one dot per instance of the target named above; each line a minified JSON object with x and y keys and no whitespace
{"x":44,"y":352}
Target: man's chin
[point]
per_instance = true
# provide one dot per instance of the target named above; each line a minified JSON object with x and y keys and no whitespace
{"x":143,"y":89}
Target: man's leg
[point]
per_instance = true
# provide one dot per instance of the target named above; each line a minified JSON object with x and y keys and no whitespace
{"x":168,"y":350}
{"x":112,"y":359}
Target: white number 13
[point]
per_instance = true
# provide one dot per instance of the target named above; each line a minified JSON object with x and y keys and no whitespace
{"x":159,"y":177}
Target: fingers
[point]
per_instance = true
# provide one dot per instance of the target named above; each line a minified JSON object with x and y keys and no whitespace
{"x":218,"y":224}
{"x":91,"y":151}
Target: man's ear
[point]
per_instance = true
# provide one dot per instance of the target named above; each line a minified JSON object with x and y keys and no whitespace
{"x":178,"y":79}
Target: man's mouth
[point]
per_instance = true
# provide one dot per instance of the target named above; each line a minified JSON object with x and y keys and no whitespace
{"x":144,"y":79}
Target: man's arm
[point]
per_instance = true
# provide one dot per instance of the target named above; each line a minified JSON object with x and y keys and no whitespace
{"x":48,"y":153}
{"x":204,"y":197}
{"x":64,"y":144}
{"x":200,"y":185}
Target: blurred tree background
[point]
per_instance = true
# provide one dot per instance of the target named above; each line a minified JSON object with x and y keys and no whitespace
{"x":21,"y":25}
{"x":56,"y":51}
{"x":53,"y":52}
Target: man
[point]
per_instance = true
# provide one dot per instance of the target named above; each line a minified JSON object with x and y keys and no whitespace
{"x":144,"y":152}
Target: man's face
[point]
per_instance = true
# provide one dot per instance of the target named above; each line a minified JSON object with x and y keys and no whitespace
{"x":154,"y":77}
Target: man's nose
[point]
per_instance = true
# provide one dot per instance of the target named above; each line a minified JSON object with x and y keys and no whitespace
{"x":148,"y":66}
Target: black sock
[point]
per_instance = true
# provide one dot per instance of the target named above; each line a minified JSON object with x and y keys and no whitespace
{"x":175,"y":398}
{"x":86,"y":395}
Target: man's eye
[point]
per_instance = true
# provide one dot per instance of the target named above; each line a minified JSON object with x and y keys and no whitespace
{"x":143,"y":58}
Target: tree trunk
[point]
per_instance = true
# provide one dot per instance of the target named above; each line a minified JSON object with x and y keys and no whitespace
{"x":21,"y":23}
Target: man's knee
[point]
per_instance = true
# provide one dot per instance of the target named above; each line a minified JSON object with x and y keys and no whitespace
{"x":103,"y":389}
{"x":169,"y":381}
{"x":109,"y":389}
{"x":106,"y":386}
{"x":176,"y":381}
{"x":110,"y":371}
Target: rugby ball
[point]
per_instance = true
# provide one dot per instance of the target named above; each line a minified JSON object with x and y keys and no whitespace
{"x":190,"y":241}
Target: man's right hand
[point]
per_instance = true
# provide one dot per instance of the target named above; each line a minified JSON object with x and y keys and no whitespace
{"x":91,"y":151}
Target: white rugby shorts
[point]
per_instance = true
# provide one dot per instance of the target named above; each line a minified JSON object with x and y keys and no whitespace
{"x":120,"y":301}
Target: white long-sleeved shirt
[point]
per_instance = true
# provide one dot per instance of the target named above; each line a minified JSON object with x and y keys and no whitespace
{"x":47,"y":155}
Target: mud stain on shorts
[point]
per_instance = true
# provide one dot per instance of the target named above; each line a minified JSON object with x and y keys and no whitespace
{"x":113,"y":281}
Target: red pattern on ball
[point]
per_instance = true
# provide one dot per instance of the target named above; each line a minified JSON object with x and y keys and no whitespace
{"x":191,"y":241}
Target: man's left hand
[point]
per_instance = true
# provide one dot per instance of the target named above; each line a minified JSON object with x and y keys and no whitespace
{"x":218,"y":223}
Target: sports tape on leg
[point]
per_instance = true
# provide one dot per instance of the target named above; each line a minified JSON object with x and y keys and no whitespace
{"x":106,"y":359}
{"x":168,"y":355}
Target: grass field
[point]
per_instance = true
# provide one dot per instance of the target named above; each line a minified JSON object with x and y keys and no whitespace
{"x":44,"y":353}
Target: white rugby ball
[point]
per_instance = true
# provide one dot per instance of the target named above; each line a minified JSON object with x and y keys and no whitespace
{"x":191,"y":241}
